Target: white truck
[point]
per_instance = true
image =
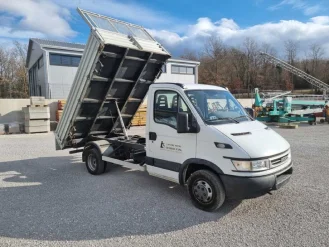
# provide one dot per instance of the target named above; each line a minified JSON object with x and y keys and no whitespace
{"x":196,"y":135}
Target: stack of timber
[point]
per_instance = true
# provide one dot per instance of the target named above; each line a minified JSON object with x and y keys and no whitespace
{"x":36,"y":116}
{"x":140,"y":117}
{"x":59,"y":112}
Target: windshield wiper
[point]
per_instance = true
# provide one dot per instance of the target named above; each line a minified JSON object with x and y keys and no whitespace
{"x":223,"y":118}
{"x":247,"y":116}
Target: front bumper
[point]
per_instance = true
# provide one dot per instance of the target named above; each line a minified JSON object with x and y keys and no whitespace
{"x":251,"y":187}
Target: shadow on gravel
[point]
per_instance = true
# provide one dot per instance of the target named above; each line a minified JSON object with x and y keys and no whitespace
{"x":55,"y":198}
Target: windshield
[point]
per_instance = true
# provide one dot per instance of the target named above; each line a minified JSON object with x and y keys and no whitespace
{"x":217,"y":106}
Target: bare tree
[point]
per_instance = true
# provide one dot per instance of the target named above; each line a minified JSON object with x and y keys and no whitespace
{"x":190,"y":55}
{"x":21,"y":71}
{"x":291,"y":48}
{"x":13,"y":74}
{"x":315,"y":56}
{"x":213,"y":61}
{"x":271,"y":76}
{"x":252,"y":58}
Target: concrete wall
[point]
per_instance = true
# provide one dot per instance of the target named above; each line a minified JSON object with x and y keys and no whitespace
{"x":246,"y":102}
{"x":11,"y":109}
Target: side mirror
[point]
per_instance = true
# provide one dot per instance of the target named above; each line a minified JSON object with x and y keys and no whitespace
{"x":250,"y":111}
{"x":182,"y":122}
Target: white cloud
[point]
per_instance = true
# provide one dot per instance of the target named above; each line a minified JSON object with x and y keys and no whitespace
{"x":39,"y":17}
{"x":19,"y":34}
{"x":170,"y":37}
{"x":320,"y":20}
{"x":308,"y":9}
{"x":316,"y":30}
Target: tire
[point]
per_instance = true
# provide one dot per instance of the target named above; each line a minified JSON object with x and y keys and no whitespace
{"x":94,"y":163}
{"x":206,"y":181}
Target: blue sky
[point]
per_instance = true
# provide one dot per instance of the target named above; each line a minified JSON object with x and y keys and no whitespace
{"x":177,"y":24}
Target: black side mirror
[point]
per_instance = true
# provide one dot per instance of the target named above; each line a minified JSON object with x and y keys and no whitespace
{"x":182,"y":122}
{"x":250,"y":111}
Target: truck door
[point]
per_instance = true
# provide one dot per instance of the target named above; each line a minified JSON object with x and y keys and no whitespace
{"x":166,"y":148}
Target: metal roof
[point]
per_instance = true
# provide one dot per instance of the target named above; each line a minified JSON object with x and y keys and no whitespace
{"x":52,"y":43}
{"x":183,"y":60}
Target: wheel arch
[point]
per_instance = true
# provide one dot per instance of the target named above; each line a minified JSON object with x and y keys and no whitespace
{"x":101,"y":146}
{"x":194,"y":164}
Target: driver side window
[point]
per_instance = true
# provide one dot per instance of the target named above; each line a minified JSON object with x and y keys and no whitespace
{"x":167,"y":104}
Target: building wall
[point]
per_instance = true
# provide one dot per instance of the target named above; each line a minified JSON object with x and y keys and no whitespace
{"x":169,"y":77}
{"x":42,"y":80}
{"x":36,"y":73}
{"x":60,"y":80}
{"x":35,"y":54}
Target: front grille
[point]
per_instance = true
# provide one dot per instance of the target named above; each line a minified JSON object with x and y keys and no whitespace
{"x":279,"y":160}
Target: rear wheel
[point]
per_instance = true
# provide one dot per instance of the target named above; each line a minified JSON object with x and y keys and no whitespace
{"x":94,"y":163}
{"x":206,"y":190}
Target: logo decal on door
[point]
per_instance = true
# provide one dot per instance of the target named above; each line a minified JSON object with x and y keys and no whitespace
{"x":171,"y":147}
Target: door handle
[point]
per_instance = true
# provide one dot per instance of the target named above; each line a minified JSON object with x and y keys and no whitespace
{"x":152,"y":136}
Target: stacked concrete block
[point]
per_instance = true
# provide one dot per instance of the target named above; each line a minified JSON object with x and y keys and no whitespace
{"x":37,"y":116}
{"x":2,"y":129}
{"x":37,"y":100}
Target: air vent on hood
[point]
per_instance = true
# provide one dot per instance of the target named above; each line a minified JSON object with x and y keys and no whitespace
{"x":241,"y":134}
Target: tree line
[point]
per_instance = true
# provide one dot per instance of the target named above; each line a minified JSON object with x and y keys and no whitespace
{"x":243,"y":68}
{"x":13,"y":74}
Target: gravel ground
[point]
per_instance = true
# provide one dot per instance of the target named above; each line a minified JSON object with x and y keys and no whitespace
{"x":47,"y":198}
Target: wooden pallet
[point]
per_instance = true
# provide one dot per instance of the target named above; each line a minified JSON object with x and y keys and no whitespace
{"x":59,"y":115}
{"x":140,"y":117}
{"x":61,"y":104}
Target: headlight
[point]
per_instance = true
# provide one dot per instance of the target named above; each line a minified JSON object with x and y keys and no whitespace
{"x":256,"y":165}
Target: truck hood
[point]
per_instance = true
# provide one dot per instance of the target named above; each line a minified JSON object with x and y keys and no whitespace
{"x":255,"y":138}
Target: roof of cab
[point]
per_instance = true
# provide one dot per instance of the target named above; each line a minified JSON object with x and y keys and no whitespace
{"x":193,"y":86}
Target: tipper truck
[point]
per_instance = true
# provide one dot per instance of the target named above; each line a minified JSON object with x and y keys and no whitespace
{"x":198,"y":136}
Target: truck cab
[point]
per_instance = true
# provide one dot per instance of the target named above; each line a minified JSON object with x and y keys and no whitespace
{"x":196,"y":130}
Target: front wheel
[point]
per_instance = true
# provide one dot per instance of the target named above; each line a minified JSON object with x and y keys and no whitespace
{"x":206,"y":190}
{"x":94,"y":163}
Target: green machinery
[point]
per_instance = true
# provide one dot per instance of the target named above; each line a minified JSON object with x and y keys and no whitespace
{"x":280,"y":111}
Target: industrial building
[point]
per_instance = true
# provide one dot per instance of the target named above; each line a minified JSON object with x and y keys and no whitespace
{"x":52,"y":66}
